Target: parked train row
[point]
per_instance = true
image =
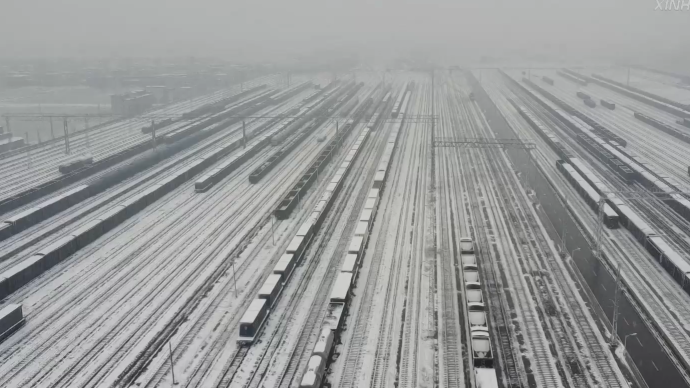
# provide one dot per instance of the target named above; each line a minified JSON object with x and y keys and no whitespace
{"x":658,"y":102}
{"x":599,"y":129}
{"x":42,"y":211}
{"x":626,"y":163}
{"x":228,"y":166}
{"x":650,"y":177}
{"x":384,"y":164}
{"x":221,"y":171}
{"x":35,"y":192}
{"x":218,"y":106}
{"x":591,"y":139}
{"x":292,"y":198}
{"x":156,"y":125}
{"x":588,"y":193}
{"x":46,"y":258}
{"x":681,"y":135}
{"x":476,"y":319}
{"x":669,"y":258}
{"x":314,"y":111}
{"x":11,"y":318}
{"x":399,"y":103}
{"x":547,"y":80}
{"x":11,"y":143}
{"x":254,"y":318}
{"x":610,"y":217}
{"x":219,"y":120}
{"x":570,"y":77}
{"x":75,"y":164}
{"x":608,"y":104}
{"x":607,"y":153}
{"x":128,"y":170}
{"x":61,"y":202}
{"x":332,"y":325}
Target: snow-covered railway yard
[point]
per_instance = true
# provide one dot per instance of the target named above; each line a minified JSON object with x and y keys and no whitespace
{"x":348,"y":263}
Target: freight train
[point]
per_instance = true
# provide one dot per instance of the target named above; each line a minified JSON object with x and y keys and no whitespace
{"x":477,"y":322}
{"x":254,"y":318}
{"x":333,"y":324}
{"x":75,"y":164}
{"x":11,"y":319}
{"x":646,"y":174}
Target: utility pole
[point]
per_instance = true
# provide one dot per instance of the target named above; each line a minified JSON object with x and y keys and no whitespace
{"x":600,"y":227}
{"x":172,"y":365}
{"x":153,"y":133}
{"x":86,"y":130}
{"x":28,"y":150}
{"x":7,"y":121}
{"x":244,"y":135}
{"x":614,"y":330}
{"x":51,"y":128}
{"x":66,"y":137}
{"x":234,"y":277}
{"x":433,"y":106}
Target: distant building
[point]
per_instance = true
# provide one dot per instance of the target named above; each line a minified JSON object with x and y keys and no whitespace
{"x":131,"y":104}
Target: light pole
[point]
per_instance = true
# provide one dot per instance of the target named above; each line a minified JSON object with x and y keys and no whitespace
{"x":625,"y":340}
{"x":572,"y":254}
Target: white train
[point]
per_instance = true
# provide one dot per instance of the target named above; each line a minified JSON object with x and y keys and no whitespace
{"x":480,"y":335}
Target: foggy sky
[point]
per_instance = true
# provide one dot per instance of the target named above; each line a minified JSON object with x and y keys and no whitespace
{"x":275,"y":29}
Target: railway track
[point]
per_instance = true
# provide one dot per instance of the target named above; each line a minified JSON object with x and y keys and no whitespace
{"x":414,"y":251}
{"x":223,"y":199}
{"x":43,"y":231}
{"x":102,"y":142}
{"x":526,"y":320}
{"x":453,"y":357}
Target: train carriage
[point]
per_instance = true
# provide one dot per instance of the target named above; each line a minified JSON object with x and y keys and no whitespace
{"x":87,"y":233}
{"x":379,"y":179}
{"x":21,"y":274}
{"x":482,"y":354}
{"x":112,"y":217}
{"x":5,"y":230}
{"x":253,"y":321}
{"x":25,"y":219}
{"x":473,"y":294}
{"x":470,"y":274}
{"x":296,"y":246}
{"x":271,"y":289}
{"x":306,"y":230}
{"x":469,"y":259}
{"x":671,"y":260}
{"x":11,"y":318}
{"x":485,"y":378}
{"x":342,"y":288}
{"x":362,"y":228}
{"x":356,"y":245}
{"x":335,"y":317}
{"x":57,"y":251}
{"x":466,"y":245}
{"x":324,"y":344}
{"x":285,"y":266}
{"x":351,"y":265}
{"x":314,"y":374}
{"x":370,"y":204}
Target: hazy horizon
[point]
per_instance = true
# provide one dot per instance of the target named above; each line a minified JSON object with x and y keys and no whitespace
{"x":282,"y":31}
